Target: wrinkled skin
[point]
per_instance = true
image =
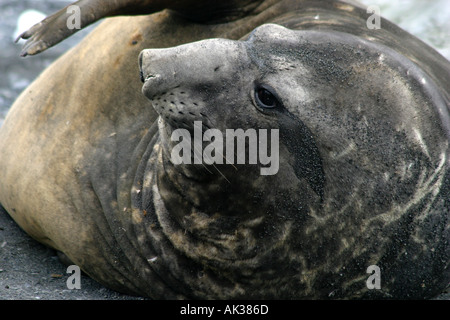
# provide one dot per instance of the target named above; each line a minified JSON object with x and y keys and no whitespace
{"x":363,"y":175}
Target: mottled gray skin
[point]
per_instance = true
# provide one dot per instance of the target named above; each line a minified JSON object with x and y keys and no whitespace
{"x":382,"y":165}
{"x":364,"y":174}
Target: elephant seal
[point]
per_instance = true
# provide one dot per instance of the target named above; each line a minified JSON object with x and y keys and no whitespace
{"x":363,"y":177}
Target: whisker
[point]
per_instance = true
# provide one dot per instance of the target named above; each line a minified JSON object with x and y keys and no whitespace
{"x":221,"y":174}
{"x":196,"y":153}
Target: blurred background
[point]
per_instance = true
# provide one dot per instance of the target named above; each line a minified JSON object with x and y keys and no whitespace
{"x":427,"y":19}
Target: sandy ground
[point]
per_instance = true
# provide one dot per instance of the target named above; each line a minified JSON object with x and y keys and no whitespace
{"x":29,"y":270}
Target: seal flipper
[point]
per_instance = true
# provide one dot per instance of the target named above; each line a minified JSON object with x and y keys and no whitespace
{"x":54,"y":29}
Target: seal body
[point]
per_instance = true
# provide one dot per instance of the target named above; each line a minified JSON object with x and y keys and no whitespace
{"x":363,"y":175}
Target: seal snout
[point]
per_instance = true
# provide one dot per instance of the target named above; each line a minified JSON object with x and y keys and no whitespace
{"x":141,"y":73}
{"x":201,"y":63}
{"x":144,"y":72}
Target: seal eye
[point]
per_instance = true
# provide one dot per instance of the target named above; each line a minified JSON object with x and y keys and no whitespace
{"x":265,"y":99}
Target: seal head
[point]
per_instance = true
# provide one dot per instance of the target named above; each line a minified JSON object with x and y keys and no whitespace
{"x":353,"y":176}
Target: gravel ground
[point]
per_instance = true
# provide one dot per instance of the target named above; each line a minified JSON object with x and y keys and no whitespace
{"x":29,"y":270}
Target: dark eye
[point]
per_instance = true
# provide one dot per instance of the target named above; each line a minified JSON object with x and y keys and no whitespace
{"x":265,"y":99}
